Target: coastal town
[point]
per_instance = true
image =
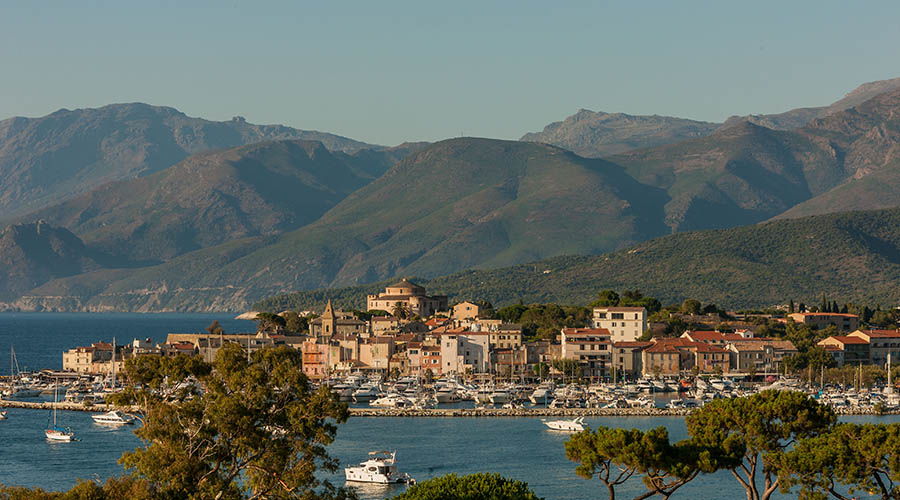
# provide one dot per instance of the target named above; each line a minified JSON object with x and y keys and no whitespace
{"x":462,"y":349}
{"x":457,"y":342}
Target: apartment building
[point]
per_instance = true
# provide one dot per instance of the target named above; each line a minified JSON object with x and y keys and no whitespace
{"x":624,"y":323}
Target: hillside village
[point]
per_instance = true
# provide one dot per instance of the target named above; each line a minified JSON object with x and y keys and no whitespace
{"x":423,"y":336}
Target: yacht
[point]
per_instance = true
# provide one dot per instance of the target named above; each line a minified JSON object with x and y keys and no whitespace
{"x":500,"y":396}
{"x":543,"y":394}
{"x":576,"y":425}
{"x":447,"y":394}
{"x":21,"y":391}
{"x":483,"y":395}
{"x":380,"y":468}
{"x":112,"y":418}
{"x":367,"y":392}
{"x":392,"y":401}
{"x":343,"y":391}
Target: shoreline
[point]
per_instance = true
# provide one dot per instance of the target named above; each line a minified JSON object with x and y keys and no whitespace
{"x":445,"y":412}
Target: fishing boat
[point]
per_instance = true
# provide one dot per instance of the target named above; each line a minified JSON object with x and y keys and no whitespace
{"x":576,"y":425}
{"x":380,"y":468}
{"x":55,"y":432}
{"x":112,"y":418}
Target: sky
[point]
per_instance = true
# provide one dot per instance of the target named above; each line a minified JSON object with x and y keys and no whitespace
{"x":386,"y":72}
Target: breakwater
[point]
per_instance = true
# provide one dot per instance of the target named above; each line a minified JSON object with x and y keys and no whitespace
{"x":552,"y":412}
{"x":446,"y":412}
{"x":49,"y":405}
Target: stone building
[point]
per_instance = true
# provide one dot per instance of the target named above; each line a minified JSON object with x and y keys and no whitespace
{"x":411,"y":296}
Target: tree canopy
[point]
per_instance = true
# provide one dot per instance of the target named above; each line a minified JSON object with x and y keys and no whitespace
{"x":238,"y":428}
{"x":743,"y":434}
{"x":478,"y":486}
{"x":857,"y":457}
{"x":614,"y":455}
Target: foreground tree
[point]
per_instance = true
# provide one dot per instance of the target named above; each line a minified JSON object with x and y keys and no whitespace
{"x":859,"y":457}
{"x":472,"y":487}
{"x":745,"y":434}
{"x":235,"y":429}
{"x":615,"y":455}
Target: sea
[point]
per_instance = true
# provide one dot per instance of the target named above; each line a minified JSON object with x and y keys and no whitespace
{"x":517,"y":447}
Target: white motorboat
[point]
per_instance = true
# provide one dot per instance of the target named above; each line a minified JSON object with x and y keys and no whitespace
{"x":366,"y":393}
{"x":543,"y":394}
{"x":483,"y":396}
{"x":112,"y":418}
{"x":447,"y":394}
{"x":392,"y":401}
{"x":500,"y":396}
{"x":576,"y":425}
{"x":21,"y":391}
{"x":2,"y":415}
{"x":380,"y":468}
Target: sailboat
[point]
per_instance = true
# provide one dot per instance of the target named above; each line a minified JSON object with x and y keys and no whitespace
{"x":16,"y":389}
{"x":56,"y":433}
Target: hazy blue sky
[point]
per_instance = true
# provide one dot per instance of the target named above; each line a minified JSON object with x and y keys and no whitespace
{"x":386,"y":72}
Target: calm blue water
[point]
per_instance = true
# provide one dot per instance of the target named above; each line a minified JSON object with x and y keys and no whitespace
{"x":518,"y":448}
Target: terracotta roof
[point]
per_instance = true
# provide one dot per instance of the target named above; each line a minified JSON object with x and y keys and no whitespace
{"x":632,"y":343}
{"x":843,"y":315}
{"x":847,"y":340}
{"x":662,"y":347}
{"x":750,"y":346}
{"x":881,"y":334}
{"x":622,"y":309}
{"x":701,"y":347}
{"x":705,"y":335}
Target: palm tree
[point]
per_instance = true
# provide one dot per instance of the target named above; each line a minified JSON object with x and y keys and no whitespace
{"x":401,"y":310}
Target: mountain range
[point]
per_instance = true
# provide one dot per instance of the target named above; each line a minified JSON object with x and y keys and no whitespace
{"x":599,"y":134}
{"x":45,"y":160}
{"x":221,"y":228}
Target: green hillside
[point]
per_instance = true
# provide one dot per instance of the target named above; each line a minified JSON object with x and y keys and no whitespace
{"x":213,"y":198}
{"x":850,"y":256}
{"x":458,"y":204}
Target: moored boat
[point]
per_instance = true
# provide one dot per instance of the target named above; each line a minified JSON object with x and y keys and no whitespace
{"x":113,"y":417}
{"x":575,"y":425}
{"x":380,"y":468}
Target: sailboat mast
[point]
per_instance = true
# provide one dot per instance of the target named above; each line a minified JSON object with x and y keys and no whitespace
{"x":55,"y":400}
{"x":113,"y":388}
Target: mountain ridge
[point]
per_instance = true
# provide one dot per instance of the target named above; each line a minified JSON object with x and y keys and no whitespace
{"x":48,"y":159}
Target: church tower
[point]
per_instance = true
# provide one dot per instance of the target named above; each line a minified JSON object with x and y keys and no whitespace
{"x":329,"y":321}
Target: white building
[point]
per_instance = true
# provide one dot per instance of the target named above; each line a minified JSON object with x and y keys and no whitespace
{"x":625,"y":324}
{"x":465,"y":352}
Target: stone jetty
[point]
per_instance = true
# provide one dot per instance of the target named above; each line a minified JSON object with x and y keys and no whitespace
{"x":444,"y":412}
{"x":49,"y":405}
